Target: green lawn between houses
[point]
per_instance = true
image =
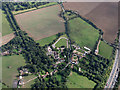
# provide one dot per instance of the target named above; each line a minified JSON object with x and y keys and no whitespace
{"x":82,"y":33}
{"x":77,"y":81}
{"x":9,"y":74}
{"x":6,"y":29}
{"x":61,"y":42}
{"x":105,"y":50}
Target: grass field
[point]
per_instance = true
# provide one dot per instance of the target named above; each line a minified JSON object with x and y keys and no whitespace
{"x":46,"y":40}
{"x":77,"y":81}
{"x":9,"y":74}
{"x":41,"y":23}
{"x":97,"y":12}
{"x":62,"y":42}
{"x":105,"y":50}
{"x":82,"y":33}
{"x":6,"y":29}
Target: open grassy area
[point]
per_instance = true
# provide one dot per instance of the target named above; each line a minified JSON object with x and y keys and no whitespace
{"x":27,"y":78}
{"x":46,"y":40}
{"x":77,"y":81}
{"x":13,"y":62}
{"x":61,"y":42}
{"x":82,"y":33}
{"x":105,"y":50}
{"x":6,"y":29}
{"x":41,"y":23}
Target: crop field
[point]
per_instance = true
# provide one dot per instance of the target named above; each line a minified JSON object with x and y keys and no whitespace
{"x":41,"y":23}
{"x":6,"y":29}
{"x":105,"y":50}
{"x":5,"y":39}
{"x":77,"y":81}
{"x":9,"y":68}
{"x":103,"y":14}
{"x":82,"y":33}
{"x":46,"y":40}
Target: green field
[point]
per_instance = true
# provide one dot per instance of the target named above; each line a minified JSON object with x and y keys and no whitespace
{"x":105,"y":50}
{"x":6,"y":29}
{"x":41,"y":23}
{"x":9,"y":74}
{"x":46,"y":41}
{"x":27,"y":78}
{"x":61,"y":42}
{"x":82,"y":33}
{"x":77,"y":81}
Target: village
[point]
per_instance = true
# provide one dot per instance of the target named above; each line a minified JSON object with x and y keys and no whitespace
{"x":60,"y":57}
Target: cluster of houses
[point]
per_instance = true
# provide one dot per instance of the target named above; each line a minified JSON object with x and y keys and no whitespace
{"x":78,"y":55}
{"x":56,"y":54}
{"x":22,"y":72}
{"x":5,"y":53}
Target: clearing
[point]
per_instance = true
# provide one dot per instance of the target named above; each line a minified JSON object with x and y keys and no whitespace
{"x":77,"y":81}
{"x":41,"y":23}
{"x":9,"y":68}
{"x":82,"y":33}
{"x":105,"y":50}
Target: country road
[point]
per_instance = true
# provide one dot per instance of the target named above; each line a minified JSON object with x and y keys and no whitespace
{"x":115,"y":70}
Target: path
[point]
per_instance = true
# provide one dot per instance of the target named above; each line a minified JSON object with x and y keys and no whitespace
{"x":31,"y":80}
{"x":58,"y":41}
{"x":98,"y":47}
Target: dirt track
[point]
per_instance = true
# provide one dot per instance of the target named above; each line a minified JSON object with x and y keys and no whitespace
{"x":103,"y":14}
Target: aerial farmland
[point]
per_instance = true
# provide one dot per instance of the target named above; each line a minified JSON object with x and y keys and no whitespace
{"x":103,"y":14}
{"x":59,"y":45}
{"x":41,"y":23}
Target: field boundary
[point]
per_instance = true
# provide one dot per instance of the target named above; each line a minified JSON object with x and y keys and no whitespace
{"x":34,"y":9}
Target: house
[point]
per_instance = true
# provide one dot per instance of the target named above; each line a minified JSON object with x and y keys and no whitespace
{"x":20,"y":82}
{"x":20,"y":77}
{"x":87,"y":48}
{"x":5,"y":53}
{"x":49,"y":49}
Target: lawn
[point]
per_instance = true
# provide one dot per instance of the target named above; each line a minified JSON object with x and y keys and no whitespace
{"x":77,"y":81}
{"x":82,"y":33}
{"x":6,"y":29}
{"x":47,"y":40}
{"x":105,"y":50}
{"x":61,"y":42}
{"x":26,"y":78}
{"x":13,"y":62}
{"x":41,"y":23}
